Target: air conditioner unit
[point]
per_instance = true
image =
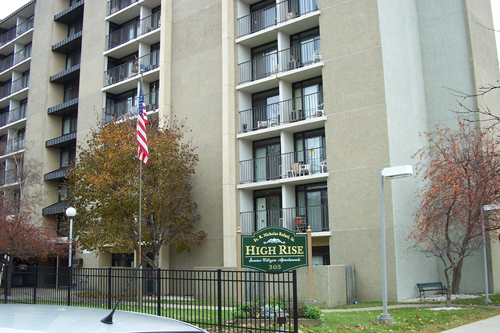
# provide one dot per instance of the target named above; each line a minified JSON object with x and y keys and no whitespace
{"x":296,"y":115}
{"x":77,"y":262}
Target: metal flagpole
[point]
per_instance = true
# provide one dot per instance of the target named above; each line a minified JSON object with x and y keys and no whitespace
{"x":140,"y":215}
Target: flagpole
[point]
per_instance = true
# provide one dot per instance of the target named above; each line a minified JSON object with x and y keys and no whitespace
{"x":140,"y":214}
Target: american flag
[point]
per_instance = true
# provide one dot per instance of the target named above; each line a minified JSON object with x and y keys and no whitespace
{"x":142,"y":121}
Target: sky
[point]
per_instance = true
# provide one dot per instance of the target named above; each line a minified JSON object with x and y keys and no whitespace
{"x":9,"y":6}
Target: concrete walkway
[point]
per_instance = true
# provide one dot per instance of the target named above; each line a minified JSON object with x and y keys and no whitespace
{"x":490,"y":325}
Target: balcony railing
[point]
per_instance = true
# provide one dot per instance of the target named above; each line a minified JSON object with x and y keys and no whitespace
{"x":294,"y":164}
{"x":131,"y":68}
{"x":272,"y":15}
{"x":297,"y":56}
{"x":288,"y":111}
{"x":11,"y":146}
{"x":21,"y":83}
{"x":12,"y":116}
{"x":296,"y":219}
{"x":16,"y":31}
{"x":133,"y":30}
{"x":116,"y":5}
{"x":9,"y":177}
{"x":15,"y":58}
{"x":5,"y":90}
{"x":128,"y":108}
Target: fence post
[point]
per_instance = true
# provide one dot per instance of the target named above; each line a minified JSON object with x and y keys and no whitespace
{"x":219,"y":299}
{"x":36,"y":284}
{"x":295,"y":310}
{"x":158,"y":291}
{"x":70,"y":284}
{"x":109,"y":288}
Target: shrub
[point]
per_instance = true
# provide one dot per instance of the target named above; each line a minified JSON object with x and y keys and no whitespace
{"x":269,"y":311}
{"x":244,"y":311}
{"x":312,"y":312}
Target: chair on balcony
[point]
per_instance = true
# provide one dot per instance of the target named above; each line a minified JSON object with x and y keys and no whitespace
{"x":304,"y":169}
{"x":322,"y":166}
{"x":300,"y":224}
{"x":294,"y":170}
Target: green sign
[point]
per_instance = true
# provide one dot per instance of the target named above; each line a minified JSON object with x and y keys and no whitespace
{"x":274,"y":250}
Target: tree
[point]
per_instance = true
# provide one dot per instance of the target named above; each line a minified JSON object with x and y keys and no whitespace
{"x":103,"y":186}
{"x":21,"y":239}
{"x":461,"y":173}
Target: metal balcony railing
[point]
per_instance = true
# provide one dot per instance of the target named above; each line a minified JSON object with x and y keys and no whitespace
{"x":275,"y":14}
{"x":297,"y":56}
{"x":116,"y":5}
{"x":13,"y":115}
{"x":21,"y":83}
{"x":291,"y":110}
{"x":9,"y":177}
{"x":296,"y":219}
{"x":11,"y":146}
{"x":294,"y":164}
{"x":15,"y":58}
{"x":5,"y":90}
{"x":133,"y":31}
{"x":131,"y":68}
{"x":16,"y":31}
{"x":128,"y":108}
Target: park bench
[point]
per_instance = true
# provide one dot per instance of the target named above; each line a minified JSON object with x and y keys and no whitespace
{"x":431,"y":286}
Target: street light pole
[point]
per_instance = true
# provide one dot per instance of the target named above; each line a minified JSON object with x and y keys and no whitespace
{"x":486,"y":282}
{"x":70,"y":212}
{"x":391,"y":172}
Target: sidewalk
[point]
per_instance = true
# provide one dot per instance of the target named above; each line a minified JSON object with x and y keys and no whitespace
{"x":490,"y":325}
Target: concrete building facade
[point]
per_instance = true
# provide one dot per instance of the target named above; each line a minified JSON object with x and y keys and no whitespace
{"x":294,"y":106}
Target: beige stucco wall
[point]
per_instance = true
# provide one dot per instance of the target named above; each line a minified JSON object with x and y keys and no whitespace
{"x":329,"y":285}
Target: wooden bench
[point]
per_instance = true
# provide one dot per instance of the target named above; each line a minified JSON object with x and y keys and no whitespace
{"x":431,"y":286}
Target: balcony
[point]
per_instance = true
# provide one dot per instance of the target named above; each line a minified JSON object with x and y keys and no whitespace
{"x":21,"y":83}
{"x":56,"y":175}
{"x":15,"y":59}
{"x":289,"y":165}
{"x":127,"y":70}
{"x":16,"y":31}
{"x":299,"y":56}
{"x":133,"y":31}
{"x":69,"y":45}
{"x":66,"y":76}
{"x":9,"y":177}
{"x":71,"y":14}
{"x":11,"y":146}
{"x":63,"y":141}
{"x":296,"y":219}
{"x":64,"y":109}
{"x":128,"y":108}
{"x":285,"y":112}
{"x":57,"y":208}
{"x":12,"y":116}
{"x":117,"y":5}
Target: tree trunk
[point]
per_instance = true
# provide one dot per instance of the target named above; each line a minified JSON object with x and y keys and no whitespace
{"x":9,"y":269}
{"x":457,"y":276}
{"x":448,"y":286}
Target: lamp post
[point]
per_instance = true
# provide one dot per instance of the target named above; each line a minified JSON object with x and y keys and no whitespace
{"x":486,"y":282}
{"x":70,"y":212}
{"x":391,"y":173}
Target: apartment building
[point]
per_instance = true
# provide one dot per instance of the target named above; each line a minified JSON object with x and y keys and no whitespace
{"x":294,"y":106}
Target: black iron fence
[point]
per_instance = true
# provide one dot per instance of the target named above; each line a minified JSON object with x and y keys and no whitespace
{"x":215,"y":300}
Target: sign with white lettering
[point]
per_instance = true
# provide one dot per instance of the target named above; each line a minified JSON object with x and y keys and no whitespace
{"x":274,"y":250}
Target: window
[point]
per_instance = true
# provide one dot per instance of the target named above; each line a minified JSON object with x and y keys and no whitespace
{"x":155,"y":55}
{"x":73,"y":59}
{"x":265,"y":108}
{"x":71,"y":91}
{"x":308,"y":98}
{"x":122,"y":260}
{"x":154,"y":88}
{"x":264,"y":60}
{"x":312,"y":204}
{"x":267,"y":208}
{"x":20,"y":134}
{"x":305,"y":46}
{"x":63,"y":192}
{"x":69,"y":124}
{"x":310,"y":149}
{"x":67,"y":156}
{"x":267,"y":159}
{"x":263,"y":14}
{"x":320,"y":255}
{"x":119,"y":105}
{"x":74,"y":28}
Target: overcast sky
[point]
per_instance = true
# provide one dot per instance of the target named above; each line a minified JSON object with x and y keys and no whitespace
{"x":9,"y":6}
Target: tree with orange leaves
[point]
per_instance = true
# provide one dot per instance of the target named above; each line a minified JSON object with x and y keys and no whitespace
{"x":21,"y":239}
{"x":460,"y":169}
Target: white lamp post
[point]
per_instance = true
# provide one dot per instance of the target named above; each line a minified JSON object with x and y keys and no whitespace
{"x":486,"y":282}
{"x":391,"y":173}
{"x":70,"y":212}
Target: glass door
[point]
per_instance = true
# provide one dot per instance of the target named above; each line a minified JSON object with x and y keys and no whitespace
{"x":267,"y":159}
{"x":267,"y":208}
